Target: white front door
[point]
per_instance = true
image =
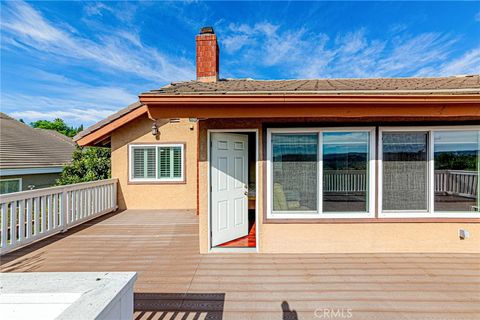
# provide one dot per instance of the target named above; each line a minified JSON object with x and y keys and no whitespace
{"x":229,"y":186}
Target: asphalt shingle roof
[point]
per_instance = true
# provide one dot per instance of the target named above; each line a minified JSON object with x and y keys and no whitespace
{"x":384,"y":86}
{"x":444,"y":85}
{"x":22,"y":146}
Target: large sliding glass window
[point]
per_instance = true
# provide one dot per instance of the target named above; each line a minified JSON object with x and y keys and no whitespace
{"x":405,"y":171}
{"x":345,"y":171}
{"x":319,"y":173}
{"x":422,"y":172}
{"x":430,"y":172}
{"x":294,"y":170}
{"x":456,"y":170}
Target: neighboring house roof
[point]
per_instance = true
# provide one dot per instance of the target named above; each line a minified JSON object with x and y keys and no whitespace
{"x":395,"y":86}
{"x":22,"y":146}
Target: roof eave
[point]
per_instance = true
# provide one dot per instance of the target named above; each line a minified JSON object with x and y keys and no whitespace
{"x":275,"y":98}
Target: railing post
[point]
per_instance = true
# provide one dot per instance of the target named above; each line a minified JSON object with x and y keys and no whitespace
{"x":64,"y":213}
{"x":114,"y":195}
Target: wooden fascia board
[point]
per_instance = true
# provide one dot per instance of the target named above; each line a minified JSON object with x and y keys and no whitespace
{"x":326,"y":111}
{"x":101,"y":133}
{"x":307,"y":99}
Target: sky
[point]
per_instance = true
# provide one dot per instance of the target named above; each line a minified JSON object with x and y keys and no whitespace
{"x":81,"y":61}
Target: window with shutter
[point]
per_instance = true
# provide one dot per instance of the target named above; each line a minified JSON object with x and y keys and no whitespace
{"x":143,"y":163}
{"x":153,"y":162}
{"x":177,"y":162}
{"x":164,"y":162}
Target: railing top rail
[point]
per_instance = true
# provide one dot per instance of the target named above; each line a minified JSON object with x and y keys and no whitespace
{"x":464,"y":172}
{"x":53,"y":190}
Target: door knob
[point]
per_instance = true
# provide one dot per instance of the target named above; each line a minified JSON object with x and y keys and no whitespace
{"x":246,"y":193}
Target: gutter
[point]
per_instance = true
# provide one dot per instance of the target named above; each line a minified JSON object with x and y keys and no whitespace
{"x":151,"y":98}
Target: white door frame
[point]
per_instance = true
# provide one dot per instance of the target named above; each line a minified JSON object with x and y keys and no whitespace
{"x":257,"y":193}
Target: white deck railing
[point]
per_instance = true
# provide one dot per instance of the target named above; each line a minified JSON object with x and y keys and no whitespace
{"x":29,"y":216}
{"x":454,"y":182}
{"x":344,"y":180}
{"x":457,"y":182}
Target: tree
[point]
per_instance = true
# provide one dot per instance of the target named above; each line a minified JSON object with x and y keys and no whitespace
{"x":88,"y":164}
{"x":57,"y":125}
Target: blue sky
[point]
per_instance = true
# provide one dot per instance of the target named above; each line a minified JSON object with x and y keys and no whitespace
{"x":82,"y":61}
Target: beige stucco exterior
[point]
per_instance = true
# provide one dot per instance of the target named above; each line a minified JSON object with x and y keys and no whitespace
{"x":173,"y":195}
{"x":331,"y":237}
{"x":408,"y":236}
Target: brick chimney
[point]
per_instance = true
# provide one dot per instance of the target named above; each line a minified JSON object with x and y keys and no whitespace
{"x":207,"y":55}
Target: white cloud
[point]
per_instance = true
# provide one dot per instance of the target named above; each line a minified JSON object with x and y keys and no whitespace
{"x":100,"y":8}
{"x":303,"y":53}
{"x":123,"y":51}
{"x":469,"y":63}
{"x":61,"y":97}
{"x":72,"y":116}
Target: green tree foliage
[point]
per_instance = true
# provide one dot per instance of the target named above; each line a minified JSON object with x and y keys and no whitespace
{"x":88,"y":164}
{"x":456,"y":161}
{"x":57,"y":125}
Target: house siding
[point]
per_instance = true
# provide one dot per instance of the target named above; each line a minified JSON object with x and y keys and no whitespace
{"x":38,"y":181}
{"x":327,"y":237}
{"x":154,"y":195}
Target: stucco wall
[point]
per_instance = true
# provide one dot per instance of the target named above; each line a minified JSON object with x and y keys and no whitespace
{"x":333,"y":237}
{"x":155,"y":195}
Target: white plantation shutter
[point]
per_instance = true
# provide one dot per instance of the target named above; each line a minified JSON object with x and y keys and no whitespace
{"x":177,"y":162}
{"x":150,"y":162}
{"x":157,"y":163}
{"x":143,"y":162}
{"x":170,"y":162}
{"x":164,"y":162}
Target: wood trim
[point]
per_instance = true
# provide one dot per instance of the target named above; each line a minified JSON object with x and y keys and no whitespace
{"x":93,"y":137}
{"x":148,"y":98}
{"x":184,"y":181}
{"x":372,"y":220}
{"x":155,"y":182}
{"x":323,"y":111}
{"x":376,"y":219}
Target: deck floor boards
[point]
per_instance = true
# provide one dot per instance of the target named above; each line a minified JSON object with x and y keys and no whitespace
{"x":176,"y":282}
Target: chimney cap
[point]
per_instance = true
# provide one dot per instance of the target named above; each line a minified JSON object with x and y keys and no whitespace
{"x":207,"y":30}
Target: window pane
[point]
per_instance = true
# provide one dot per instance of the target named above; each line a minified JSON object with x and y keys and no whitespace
{"x":405,"y":171}
{"x":177,"y":162}
{"x":143,"y":163}
{"x":345,"y":171}
{"x":164,"y":162}
{"x":456,"y":170}
{"x":294,"y":166}
{"x":9,"y":186}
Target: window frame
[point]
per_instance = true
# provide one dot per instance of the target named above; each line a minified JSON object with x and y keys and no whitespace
{"x":20,"y":181}
{"x":430,"y":212}
{"x":133,"y":180}
{"x":319,"y":214}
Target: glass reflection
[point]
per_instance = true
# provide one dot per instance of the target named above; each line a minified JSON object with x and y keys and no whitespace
{"x":294,"y":164}
{"x":345,"y":171}
{"x":456,"y":170}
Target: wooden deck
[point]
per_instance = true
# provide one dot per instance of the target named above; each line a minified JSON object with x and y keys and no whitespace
{"x":176,"y":282}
